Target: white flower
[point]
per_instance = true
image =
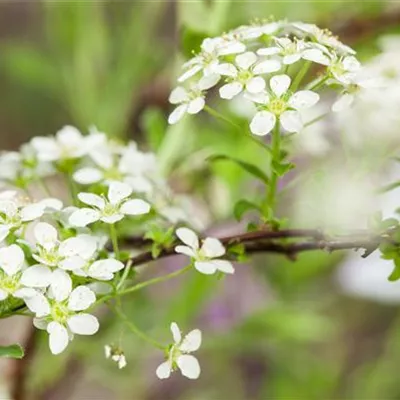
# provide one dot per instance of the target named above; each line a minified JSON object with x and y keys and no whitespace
{"x":291,"y":51}
{"x":204,"y":256}
{"x":208,"y":59}
{"x":179,"y":355}
{"x":344,"y":69}
{"x":251,"y":32}
{"x":70,"y":254}
{"x":102,"y":270}
{"x":280,"y":104}
{"x":60,"y":313}
{"x":14,"y":215}
{"x":68,"y":143}
{"x":190,"y":101}
{"x":110,"y":210}
{"x":243,"y":75}
{"x":17,"y":281}
{"x":115,"y":354}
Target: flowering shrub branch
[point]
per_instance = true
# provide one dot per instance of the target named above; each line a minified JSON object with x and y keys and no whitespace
{"x":58,"y":263}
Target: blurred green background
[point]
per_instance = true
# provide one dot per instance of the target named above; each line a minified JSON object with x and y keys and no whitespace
{"x":276,"y":330}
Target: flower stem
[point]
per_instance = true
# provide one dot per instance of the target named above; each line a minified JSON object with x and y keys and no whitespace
{"x":114,"y":240}
{"x":135,"y":329}
{"x":299,"y":77}
{"x":124,"y":275}
{"x":316,"y":84}
{"x":144,"y":284}
{"x":73,"y":190}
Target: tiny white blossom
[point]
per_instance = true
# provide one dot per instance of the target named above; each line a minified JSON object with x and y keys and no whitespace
{"x":68,"y":143}
{"x":289,"y":50}
{"x":204,"y":257}
{"x":252,"y":32}
{"x":179,"y":354}
{"x":70,"y":254}
{"x":109,"y":210}
{"x":209,"y":57}
{"x":17,"y":281}
{"x":14,"y":215}
{"x":280,"y":104}
{"x":116,"y":355}
{"x":244,"y":74}
{"x":60,"y":311}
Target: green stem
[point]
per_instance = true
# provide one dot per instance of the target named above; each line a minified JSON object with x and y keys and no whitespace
{"x":142,"y":285}
{"x":135,"y":329}
{"x":300,"y":76}
{"x":316,"y":84}
{"x":124,"y":275}
{"x":114,"y":240}
{"x":276,"y":154}
{"x":73,"y":190}
{"x":316,"y":119}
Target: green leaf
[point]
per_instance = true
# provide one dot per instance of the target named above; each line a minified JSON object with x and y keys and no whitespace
{"x":395,"y":275}
{"x":250,"y":168}
{"x":13,"y":351}
{"x":282,"y":168}
{"x":242,"y":206}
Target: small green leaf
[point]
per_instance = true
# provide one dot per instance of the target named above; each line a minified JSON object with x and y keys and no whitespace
{"x":250,"y":168}
{"x":242,"y":206}
{"x":13,"y":351}
{"x":282,"y":168}
{"x":395,"y":275}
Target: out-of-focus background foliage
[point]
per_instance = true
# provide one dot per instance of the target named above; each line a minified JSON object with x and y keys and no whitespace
{"x":277,"y":329}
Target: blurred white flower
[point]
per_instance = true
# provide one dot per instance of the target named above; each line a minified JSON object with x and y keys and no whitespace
{"x":179,"y":355}
{"x":68,"y":143}
{"x":280,"y":105}
{"x":204,"y":257}
{"x":110,"y":210}
{"x":60,"y":313}
{"x":116,"y":355}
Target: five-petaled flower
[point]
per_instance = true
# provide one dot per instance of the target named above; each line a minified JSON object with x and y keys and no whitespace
{"x":204,"y":257}
{"x":59,"y":312}
{"x":280,"y":104}
{"x":109,"y":210}
{"x":178,"y":354}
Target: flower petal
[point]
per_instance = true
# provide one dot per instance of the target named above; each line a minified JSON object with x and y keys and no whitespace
{"x":291,"y":121}
{"x":135,"y":207}
{"x":224,"y":266}
{"x":38,"y":304}
{"x":58,"y":337}
{"x":83,"y":324}
{"x":316,"y":56}
{"x":268,"y":51}
{"x":205,"y":267}
{"x":303,"y":99}
{"x":230,"y":90}
{"x":164,"y":370}
{"x":88,"y":175}
{"x":61,"y":285}
{"x":262,"y":123}
{"x":189,"y":73}
{"x":92,"y":200}
{"x":186,"y":250}
{"x":112,"y":219}
{"x":11,"y":259}
{"x":46,"y":235}
{"x":178,"y":95}
{"x":280,"y":84}
{"x":118,"y":191}
{"x":81,"y":298}
{"x":177,"y":114}
{"x":188,"y":237}
{"x":176,"y":333}
{"x":196,"y":105}
{"x":31,"y":212}
{"x":83,"y":217}
{"x":255,"y":85}
{"x":189,"y":366}
{"x":36,"y":276}
{"x":104,"y":269}
{"x":208,"y":81}
{"x":83,"y":245}
{"x":246,"y":60}
{"x":212,"y":248}
{"x":343,"y":102}
{"x":291,"y":59}
{"x":191,"y":342}
{"x":227,"y":69}
{"x":266,"y":67}
{"x":3,"y":295}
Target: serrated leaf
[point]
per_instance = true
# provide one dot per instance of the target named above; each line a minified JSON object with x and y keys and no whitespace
{"x":250,"y":168}
{"x":13,"y":351}
{"x":242,"y":206}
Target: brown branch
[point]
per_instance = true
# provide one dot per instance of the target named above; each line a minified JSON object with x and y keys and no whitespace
{"x":277,"y":242}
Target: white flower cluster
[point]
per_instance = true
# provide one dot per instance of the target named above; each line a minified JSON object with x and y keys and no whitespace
{"x":266,"y":62}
